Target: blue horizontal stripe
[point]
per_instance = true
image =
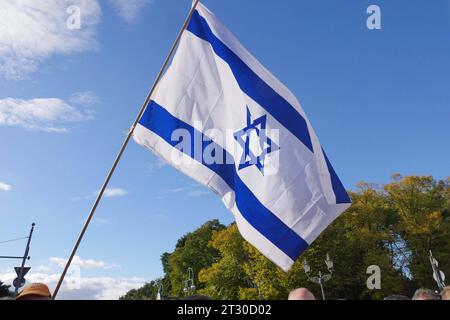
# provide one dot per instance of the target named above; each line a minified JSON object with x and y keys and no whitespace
{"x":253,"y":85}
{"x":161,"y":122}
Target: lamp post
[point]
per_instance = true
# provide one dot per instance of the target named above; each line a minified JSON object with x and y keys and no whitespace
{"x":255,"y":285}
{"x":160,"y":290}
{"x":438,"y":275}
{"x":321,"y":278}
{"x":189,"y":284}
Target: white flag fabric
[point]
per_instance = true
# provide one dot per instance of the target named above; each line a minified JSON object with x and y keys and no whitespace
{"x":223,"y":119}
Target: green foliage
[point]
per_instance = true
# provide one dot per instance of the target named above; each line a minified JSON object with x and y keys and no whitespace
{"x":223,"y":279}
{"x":266,"y":277}
{"x":392,"y":226}
{"x":192,"y":251}
{"x":423,"y":206}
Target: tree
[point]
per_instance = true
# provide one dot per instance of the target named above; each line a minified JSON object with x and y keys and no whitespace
{"x":423,"y":208}
{"x":4,"y":290}
{"x":267,"y":281}
{"x":192,"y":251}
{"x":224,"y":278}
{"x":392,"y":226}
{"x":357,"y":239}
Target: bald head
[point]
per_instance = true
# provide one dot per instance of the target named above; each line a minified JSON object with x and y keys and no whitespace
{"x":425,"y":294}
{"x":446,"y":293}
{"x":301,"y":294}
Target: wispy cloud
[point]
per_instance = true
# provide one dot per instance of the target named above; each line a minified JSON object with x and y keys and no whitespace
{"x":46,"y":114}
{"x":34,"y":30}
{"x":198,"y":193}
{"x":109,"y":193}
{"x":88,"y":264}
{"x":115,"y":192}
{"x":129,"y":10}
{"x":79,"y":198}
{"x":101,"y":221}
{"x":154,"y":166}
{"x":192,"y":191}
{"x":84,"y":98}
{"x":5,"y":186}
{"x":174,"y":190}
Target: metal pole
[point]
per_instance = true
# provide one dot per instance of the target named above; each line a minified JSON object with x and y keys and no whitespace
{"x":25,"y":257}
{"x":259,"y":293}
{"x":321,"y":285}
{"x":437,"y":272}
{"x":122,"y":149}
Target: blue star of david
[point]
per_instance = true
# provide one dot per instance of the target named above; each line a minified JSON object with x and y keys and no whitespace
{"x":266,"y":145}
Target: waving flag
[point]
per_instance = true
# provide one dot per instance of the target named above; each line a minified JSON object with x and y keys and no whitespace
{"x":221,"y":118}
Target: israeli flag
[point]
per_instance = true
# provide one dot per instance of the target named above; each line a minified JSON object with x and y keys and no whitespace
{"x":223,"y":119}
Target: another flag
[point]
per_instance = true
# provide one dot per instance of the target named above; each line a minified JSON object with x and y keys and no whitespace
{"x":223,"y":119}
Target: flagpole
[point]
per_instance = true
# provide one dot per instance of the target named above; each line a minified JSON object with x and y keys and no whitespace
{"x":122,"y":149}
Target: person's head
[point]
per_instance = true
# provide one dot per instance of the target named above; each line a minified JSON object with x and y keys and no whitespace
{"x":445,"y":294}
{"x":35,"y":291}
{"x":6,"y":298}
{"x":396,"y":297}
{"x":425,"y":294}
{"x":301,"y":294}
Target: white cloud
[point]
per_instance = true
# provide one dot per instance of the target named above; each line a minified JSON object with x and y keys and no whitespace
{"x":32,"y":31}
{"x":198,"y":193}
{"x":101,"y":221}
{"x":155,"y":166}
{"x":193,"y":191}
{"x":129,"y":10}
{"x":109,"y":193}
{"x":76,"y":286}
{"x":5,"y":186}
{"x":88,"y":264}
{"x":88,"y":288}
{"x":84,"y":98}
{"x":48,"y":114}
{"x":174,"y":190}
{"x":42,"y":268}
{"x":115,"y":192}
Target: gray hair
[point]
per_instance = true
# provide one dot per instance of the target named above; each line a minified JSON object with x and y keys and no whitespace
{"x":425,"y":294}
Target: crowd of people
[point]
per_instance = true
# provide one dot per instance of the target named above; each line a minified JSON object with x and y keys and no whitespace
{"x":420,"y":294}
{"x":40,"y":291}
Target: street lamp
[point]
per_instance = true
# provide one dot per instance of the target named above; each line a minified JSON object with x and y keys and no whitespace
{"x":189,"y":284}
{"x":321,"y":278}
{"x":254,"y":285}
{"x":438,"y":275}
{"x":160,"y":290}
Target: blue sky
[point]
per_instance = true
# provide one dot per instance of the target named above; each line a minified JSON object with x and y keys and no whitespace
{"x":378,"y":100}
